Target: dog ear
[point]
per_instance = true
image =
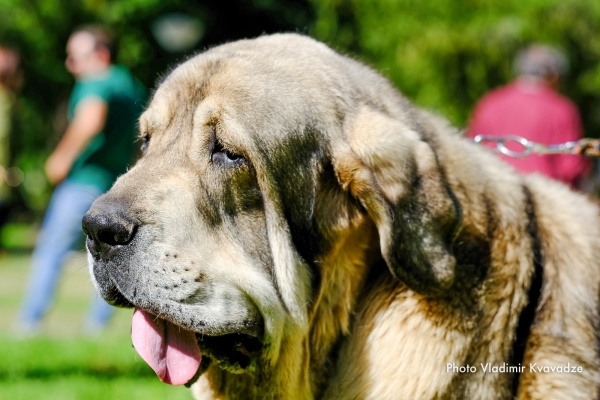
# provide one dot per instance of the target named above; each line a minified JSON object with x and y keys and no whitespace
{"x":395,"y":175}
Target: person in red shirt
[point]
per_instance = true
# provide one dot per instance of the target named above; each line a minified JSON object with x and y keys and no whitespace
{"x":532,"y":108}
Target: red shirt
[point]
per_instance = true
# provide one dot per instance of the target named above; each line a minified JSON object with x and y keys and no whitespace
{"x":537,"y":113}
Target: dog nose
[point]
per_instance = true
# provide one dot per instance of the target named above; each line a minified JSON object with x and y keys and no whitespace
{"x":107,"y":231}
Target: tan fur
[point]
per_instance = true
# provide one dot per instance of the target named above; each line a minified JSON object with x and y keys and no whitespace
{"x":372,"y":243}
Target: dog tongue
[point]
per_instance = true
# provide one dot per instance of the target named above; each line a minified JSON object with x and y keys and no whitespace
{"x":172,"y":352}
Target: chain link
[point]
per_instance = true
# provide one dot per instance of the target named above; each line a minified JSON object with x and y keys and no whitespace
{"x":585,"y":147}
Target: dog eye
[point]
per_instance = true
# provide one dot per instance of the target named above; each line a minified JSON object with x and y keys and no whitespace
{"x":145,"y":143}
{"x":225,"y":157}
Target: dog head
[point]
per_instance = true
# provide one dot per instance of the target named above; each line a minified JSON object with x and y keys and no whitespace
{"x":257,"y":155}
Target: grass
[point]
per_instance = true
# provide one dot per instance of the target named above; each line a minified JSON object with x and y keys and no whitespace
{"x":61,"y":362}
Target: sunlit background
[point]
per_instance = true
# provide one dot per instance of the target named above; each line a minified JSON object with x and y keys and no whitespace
{"x":442,"y":54}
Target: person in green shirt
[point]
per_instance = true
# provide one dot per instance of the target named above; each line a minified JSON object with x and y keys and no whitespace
{"x":97,"y":147}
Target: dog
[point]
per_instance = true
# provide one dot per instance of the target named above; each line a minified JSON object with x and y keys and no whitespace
{"x":296,"y":229}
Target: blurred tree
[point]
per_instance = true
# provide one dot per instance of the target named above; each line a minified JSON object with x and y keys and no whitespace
{"x":445,"y":54}
{"x":40,"y":29}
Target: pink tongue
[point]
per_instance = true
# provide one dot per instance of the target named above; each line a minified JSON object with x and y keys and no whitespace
{"x":172,"y":352}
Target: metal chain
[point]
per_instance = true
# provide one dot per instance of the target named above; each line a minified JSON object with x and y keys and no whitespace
{"x":585,"y":147}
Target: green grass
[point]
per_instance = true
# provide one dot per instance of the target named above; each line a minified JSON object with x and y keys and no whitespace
{"x":61,"y":362}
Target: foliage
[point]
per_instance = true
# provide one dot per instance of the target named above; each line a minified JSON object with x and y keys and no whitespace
{"x":446,"y":54}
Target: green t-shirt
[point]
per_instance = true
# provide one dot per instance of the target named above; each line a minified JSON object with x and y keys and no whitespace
{"x":110,"y":152}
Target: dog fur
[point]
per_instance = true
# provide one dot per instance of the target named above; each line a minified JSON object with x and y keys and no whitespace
{"x":365,"y":239}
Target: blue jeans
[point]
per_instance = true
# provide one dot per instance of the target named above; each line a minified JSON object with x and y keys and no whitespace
{"x":61,"y":232}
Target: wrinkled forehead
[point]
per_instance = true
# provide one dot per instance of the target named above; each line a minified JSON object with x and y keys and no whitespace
{"x":197,"y":88}
{"x":237,"y":96}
